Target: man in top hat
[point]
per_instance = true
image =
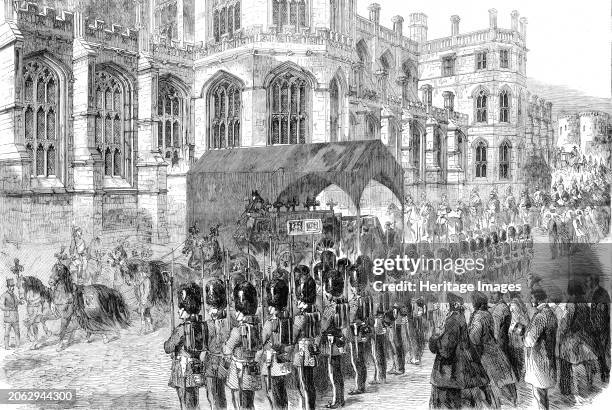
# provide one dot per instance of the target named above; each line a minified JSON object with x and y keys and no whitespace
{"x":9,"y":303}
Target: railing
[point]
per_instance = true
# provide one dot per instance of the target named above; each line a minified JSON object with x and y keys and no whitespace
{"x":417,"y":108}
{"x":322,"y":37}
{"x":468,"y":39}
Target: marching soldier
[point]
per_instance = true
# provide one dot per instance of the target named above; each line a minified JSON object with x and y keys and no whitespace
{"x":9,"y":303}
{"x":215,"y":364}
{"x":360,"y":311}
{"x":306,"y":326}
{"x":332,"y":340}
{"x":379,"y":337}
{"x":244,"y":341}
{"x":186,"y":345}
{"x":276,"y":339}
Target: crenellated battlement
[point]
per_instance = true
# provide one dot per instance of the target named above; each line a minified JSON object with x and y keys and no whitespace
{"x":113,"y":35}
{"x":30,"y":16}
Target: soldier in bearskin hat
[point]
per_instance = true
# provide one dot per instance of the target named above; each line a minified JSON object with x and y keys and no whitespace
{"x":244,"y":341}
{"x":306,"y":327}
{"x":361,"y":309}
{"x":332,"y":340}
{"x":276,"y":339}
{"x":218,"y":332}
{"x":186,"y":345}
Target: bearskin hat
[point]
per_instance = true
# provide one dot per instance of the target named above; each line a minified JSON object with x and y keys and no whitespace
{"x":189,"y":298}
{"x":511,"y":232}
{"x":502,"y":235}
{"x":358,"y":277}
{"x":245,"y":298}
{"x":280,"y":273}
{"x":301,"y":270}
{"x":277,"y":292}
{"x":480,"y":243}
{"x":328,"y":258}
{"x":366,"y":267}
{"x":343,"y":265}
{"x":494,"y":238}
{"x":215,"y":294}
{"x":488,"y":241}
{"x":334,"y":283}
{"x":473,"y":245}
{"x":306,"y":289}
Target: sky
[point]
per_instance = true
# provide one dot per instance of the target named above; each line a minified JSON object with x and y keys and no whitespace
{"x":569,"y":42}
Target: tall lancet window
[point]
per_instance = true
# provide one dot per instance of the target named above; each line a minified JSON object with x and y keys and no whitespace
{"x":41,"y":118}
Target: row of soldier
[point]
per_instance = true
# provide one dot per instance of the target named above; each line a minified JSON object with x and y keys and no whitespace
{"x":308,"y":323}
{"x":503,"y":251}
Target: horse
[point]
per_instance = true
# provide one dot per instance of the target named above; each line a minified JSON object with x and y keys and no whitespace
{"x":97,"y":309}
{"x":38,"y":301}
{"x":150,"y":288}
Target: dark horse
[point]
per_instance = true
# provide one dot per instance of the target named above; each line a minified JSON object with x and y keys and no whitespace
{"x":94,"y":308}
{"x":38,"y":300}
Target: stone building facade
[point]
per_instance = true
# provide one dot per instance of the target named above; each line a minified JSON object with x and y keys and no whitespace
{"x":102,"y":118}
{"x":587,"y":134}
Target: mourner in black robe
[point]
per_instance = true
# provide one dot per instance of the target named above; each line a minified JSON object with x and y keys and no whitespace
{"x":456,"y":367}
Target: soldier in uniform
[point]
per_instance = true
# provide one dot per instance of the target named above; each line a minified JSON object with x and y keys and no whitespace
{"x":332,"y":339}
{"x":276,"y":339}
{"x":186,"y":345}
{"x":379,"y":336}
{"x":78,"y":253}
{"x":9,"y":303}
{"x":306,"y":326}
{"x":218,"y":329}
{"x":243,"y":343}
{"x":360,"y":308}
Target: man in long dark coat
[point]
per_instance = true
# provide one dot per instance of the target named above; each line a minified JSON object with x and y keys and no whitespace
{"x":600,"y":325}
{"x":456,"y":366}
